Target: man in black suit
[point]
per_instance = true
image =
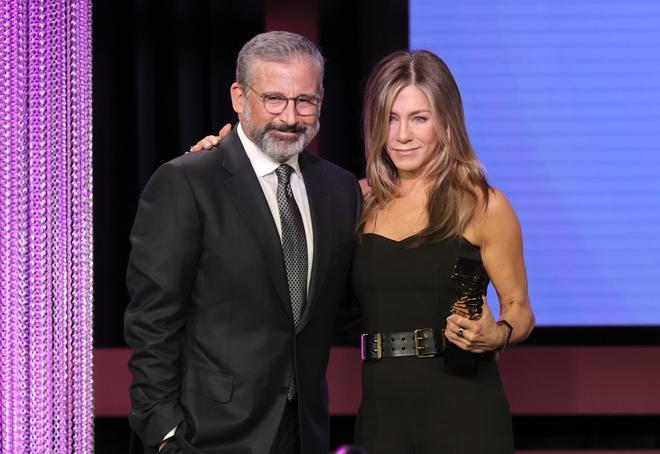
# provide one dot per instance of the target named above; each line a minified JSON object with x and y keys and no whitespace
{"x":239,"y":260}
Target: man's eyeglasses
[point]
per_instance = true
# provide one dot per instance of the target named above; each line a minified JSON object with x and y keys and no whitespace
{"x":275,"y":104}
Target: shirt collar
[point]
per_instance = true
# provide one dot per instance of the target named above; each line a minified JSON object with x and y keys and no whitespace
{"x":262,"y":163}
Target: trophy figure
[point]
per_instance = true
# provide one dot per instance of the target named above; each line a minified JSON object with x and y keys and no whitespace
{"x":471,"y":281}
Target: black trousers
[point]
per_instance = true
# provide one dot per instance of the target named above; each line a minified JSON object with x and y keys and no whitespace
{"x":287,"y":439}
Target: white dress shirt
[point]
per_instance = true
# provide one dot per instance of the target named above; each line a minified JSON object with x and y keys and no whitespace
{"x":264,"y":167}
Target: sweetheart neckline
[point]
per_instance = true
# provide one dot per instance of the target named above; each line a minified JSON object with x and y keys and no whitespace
{"x":391,"y":240}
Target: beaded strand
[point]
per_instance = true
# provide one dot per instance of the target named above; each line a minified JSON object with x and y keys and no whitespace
{"x":46,"y":402}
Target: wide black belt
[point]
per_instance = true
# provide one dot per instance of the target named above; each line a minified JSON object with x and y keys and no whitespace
{"x":422,"y":343}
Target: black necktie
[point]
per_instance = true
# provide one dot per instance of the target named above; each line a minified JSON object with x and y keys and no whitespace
{"x":294,"y":247}
{"x":294,"y":242}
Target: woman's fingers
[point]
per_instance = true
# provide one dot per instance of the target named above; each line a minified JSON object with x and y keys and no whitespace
{"x":209,"y":142}
{"x":226,"y":129}
{"x":466,"y":334}
{"x":206,"y":143}
{"x":457,"y":332}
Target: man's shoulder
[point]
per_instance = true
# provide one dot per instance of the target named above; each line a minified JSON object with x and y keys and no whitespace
{"x":192,"y":169}
{"x":329,"y":168}
{"x":193,"y":164}
{"x":199,"y":159}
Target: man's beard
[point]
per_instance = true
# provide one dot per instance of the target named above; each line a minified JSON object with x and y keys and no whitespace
{"x":279,"y":149}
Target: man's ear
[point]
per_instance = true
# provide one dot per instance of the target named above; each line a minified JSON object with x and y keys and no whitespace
{"x":237,"y":97}
{"x":320,"y":102}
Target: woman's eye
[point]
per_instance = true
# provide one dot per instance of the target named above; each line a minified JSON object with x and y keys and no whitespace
{"x":392,"y":119}
{"x":420,"y":119}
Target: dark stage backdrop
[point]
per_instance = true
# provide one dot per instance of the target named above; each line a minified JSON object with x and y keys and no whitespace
{"x":162,"y":71}
{"x":160,"y":77}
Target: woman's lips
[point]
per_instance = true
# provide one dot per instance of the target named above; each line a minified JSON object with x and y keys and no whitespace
{"x":406,"y":151}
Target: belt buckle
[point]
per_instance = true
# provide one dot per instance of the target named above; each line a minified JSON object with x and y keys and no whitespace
{"x":418,"y":348}
{"x":378,"y":340}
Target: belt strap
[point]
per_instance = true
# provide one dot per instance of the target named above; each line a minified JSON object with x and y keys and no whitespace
{"x":422,"y":343}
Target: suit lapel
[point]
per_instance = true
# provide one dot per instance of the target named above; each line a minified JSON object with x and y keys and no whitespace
{"x":320,"y":206}
{"x":248,"y":197}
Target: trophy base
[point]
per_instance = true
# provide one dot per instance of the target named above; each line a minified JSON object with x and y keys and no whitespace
{"x":460,"y":362}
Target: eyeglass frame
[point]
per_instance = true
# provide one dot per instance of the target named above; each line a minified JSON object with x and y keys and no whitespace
{"x":296,"y":100}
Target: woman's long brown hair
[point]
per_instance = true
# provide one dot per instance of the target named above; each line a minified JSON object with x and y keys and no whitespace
{"x":454,"y":175}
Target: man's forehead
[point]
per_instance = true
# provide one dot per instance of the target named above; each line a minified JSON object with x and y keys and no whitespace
{"x":285,"y":61}
{"x":299,"y":72}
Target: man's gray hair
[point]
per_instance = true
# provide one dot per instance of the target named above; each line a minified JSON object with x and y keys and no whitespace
{"x":276,"y":46}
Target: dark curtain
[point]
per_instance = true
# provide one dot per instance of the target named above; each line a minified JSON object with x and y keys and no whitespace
{"x":162,"y":71}
{"x":353,"y":36}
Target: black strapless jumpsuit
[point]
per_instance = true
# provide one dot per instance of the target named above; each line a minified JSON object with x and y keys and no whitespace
{"x":413,"y":405}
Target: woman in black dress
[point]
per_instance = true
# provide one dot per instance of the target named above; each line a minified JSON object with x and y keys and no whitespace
{"x":427,"y":204}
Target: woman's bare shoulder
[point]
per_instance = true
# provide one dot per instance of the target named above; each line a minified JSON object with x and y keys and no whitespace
{"x":499,"y":219}
{"x":498,"y":204}
{"x":491,"y":214}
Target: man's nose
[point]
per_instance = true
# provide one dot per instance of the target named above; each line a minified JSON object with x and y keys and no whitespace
{"x":288,"y":116}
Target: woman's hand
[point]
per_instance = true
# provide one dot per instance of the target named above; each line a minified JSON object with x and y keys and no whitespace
{"x":209,"y":142}
{"x":476,"y":336}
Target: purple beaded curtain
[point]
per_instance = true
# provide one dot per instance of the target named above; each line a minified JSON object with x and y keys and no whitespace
{"x":46,"y":227}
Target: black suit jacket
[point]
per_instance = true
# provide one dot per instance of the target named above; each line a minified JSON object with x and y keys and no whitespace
{"x":210,"y":320}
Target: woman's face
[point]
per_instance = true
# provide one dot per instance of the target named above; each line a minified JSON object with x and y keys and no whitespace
{"x":412,"y":138}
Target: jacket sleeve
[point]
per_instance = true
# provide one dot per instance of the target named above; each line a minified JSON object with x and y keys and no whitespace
{"x":348,"y":324}
{"x":165,"y":242}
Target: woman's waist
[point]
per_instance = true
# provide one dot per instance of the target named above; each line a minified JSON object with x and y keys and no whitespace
{"x":394,"y":317}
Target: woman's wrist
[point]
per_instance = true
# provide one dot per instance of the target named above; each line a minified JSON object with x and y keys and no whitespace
{"x":506,"y":329}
